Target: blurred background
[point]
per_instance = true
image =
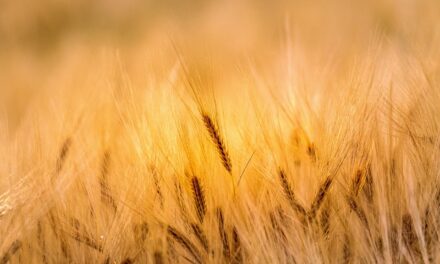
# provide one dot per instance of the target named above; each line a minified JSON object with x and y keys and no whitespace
{"x":48,"y":45}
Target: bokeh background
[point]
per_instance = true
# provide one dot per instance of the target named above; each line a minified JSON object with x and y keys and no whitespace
{"x":50,"y":45}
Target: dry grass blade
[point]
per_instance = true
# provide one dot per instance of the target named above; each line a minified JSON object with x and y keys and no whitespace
{"x":288,"y":192}
{"x":186,"y":243}
{"x":218,"y":141}
{"x":199,"y":198}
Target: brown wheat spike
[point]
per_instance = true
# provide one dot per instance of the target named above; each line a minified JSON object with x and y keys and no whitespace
{"x":378,"y":243}
{"x":429,"y":232}
{"x":53,"y":222}
{"x":319,"y":198}
{"x":223,"y":235}
{"x":53,"y":219}
{"x":158,"y":258}
{"x":369,"y":185}
{"x":276,"y":226}
{"x":311,"y":151}
{"x":218,"y":141}
{"x":181,"y":201}
{"x":157,"y":186}
{"x":106,"y":196}
{"x":171,"y":251}
{"x":437,"y":199}
{"x":324,"y":220}
{"x":281,"y":214}
{"x":358,"y":182}
{"x":65,"y":249}
{"x":82,"y":237}
{"x":13,"y":248}
{"x":358,"y":211}
{"x":41,"y":241}
{"x":140,"y":232}
{"x":199,"y":198}
{"x":394,"y":243}
{"x":200,"y":235}
{"x":409,"y":235}
{"x":288,"y":192}
{"x":127,"y":261}
{"x":346,"y":250}
{"x":63,"y":154}
{"x":236,"y":247}
{"x":186,"y":243}
{"x":277,"y":220}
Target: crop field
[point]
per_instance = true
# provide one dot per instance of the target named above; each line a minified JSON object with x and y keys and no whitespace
{"x":219,"y":131}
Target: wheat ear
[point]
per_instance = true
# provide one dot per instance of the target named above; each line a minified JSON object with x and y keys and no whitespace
{"x":288,"y":192}
{"x":185,"y":242}
{"x":201,"y":237}
{"x":13,"y":248}
{"x":218,"y":141}
{"x":319,"y":198}
{"x":223,"y":235}
{"x":199,"y":198}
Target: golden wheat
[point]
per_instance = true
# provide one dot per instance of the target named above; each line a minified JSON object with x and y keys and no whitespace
{"x":220,"y":132}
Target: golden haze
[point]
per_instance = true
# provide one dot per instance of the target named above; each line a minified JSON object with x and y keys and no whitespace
{"x":219,"y":131}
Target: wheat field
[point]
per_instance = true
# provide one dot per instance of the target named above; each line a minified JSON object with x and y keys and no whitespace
{"x":220,"y":131}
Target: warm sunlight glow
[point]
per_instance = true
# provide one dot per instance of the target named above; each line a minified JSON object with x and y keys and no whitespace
{"x":233,"y":131}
